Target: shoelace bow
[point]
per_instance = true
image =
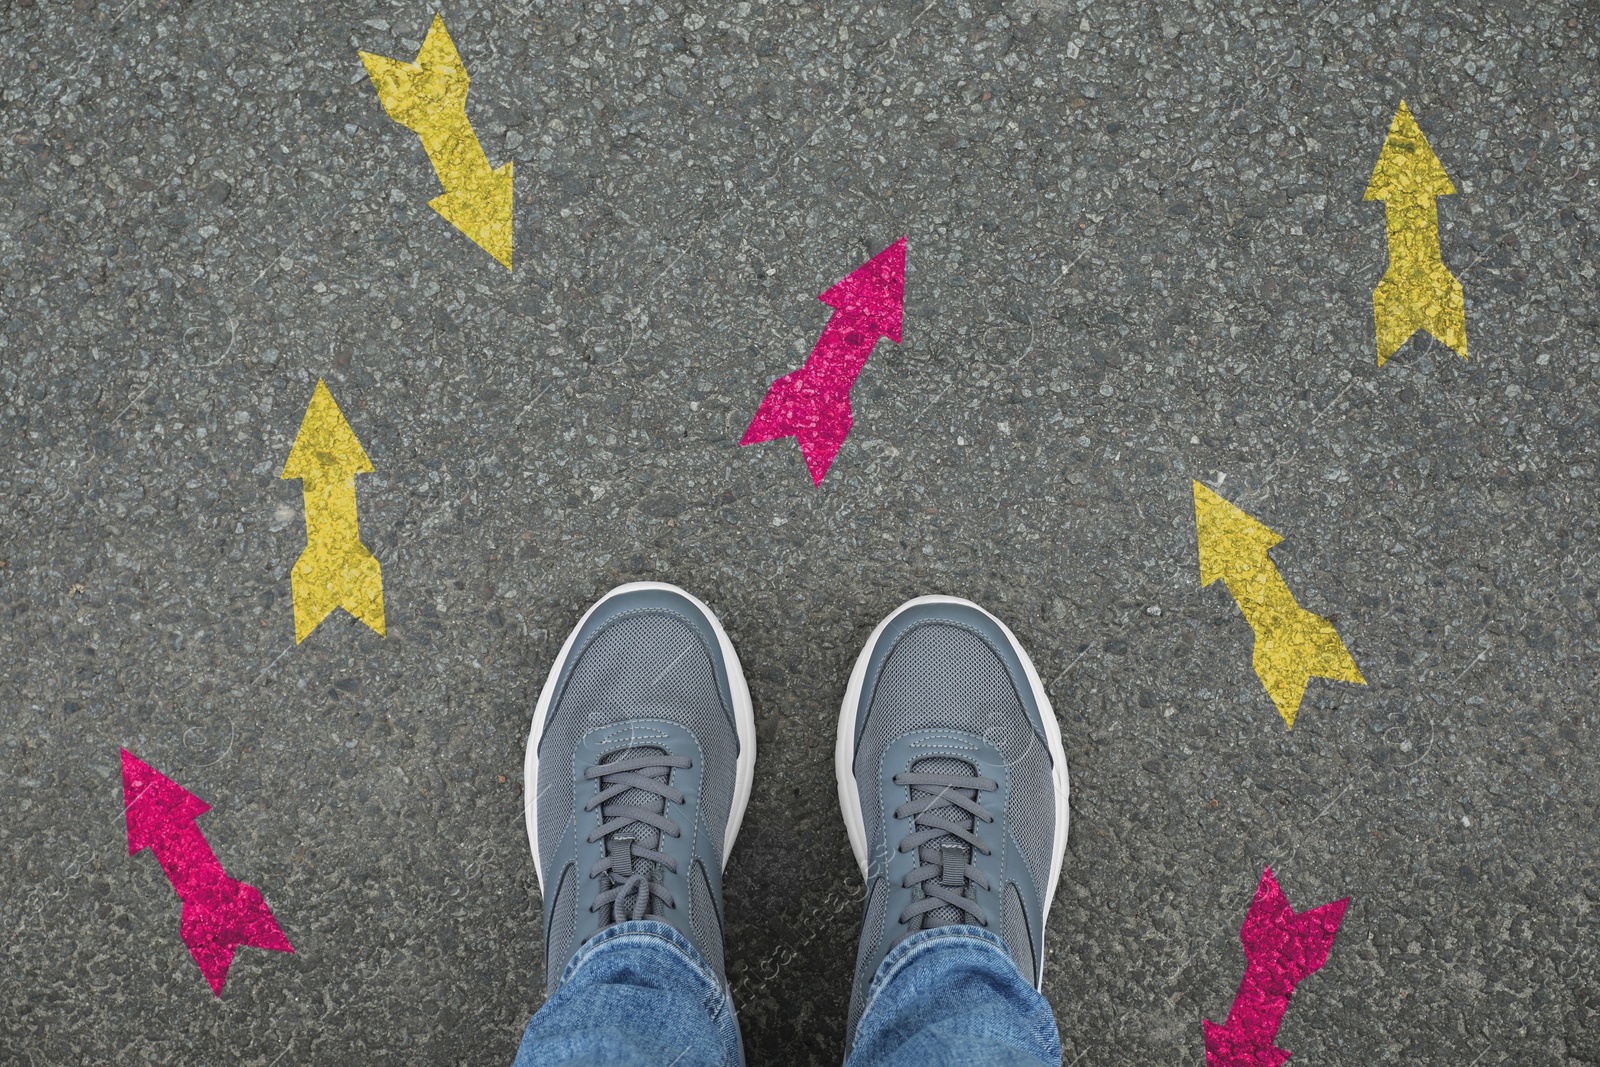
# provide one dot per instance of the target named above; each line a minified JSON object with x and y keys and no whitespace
{"x":617,"y":778}
{"x":945,"y":870}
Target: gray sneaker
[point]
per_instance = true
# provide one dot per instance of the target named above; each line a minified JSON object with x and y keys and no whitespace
{"x":638,"y":772}
{"x":953,"y":784}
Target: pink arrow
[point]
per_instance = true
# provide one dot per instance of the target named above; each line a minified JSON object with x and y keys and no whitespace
{"x":219,"y":914}
{"x":1280,"y":949}
{"x":812,"y":404}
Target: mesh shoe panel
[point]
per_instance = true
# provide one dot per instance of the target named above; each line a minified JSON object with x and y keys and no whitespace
{"x":1014,"y":931}
{"x":563,"y":927}
{"x":1033,"y":822}
{"x":707,"y":923}
{"x":872,"y":924}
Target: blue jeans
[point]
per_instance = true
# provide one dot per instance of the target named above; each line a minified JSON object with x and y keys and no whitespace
{"x":638,"y":995}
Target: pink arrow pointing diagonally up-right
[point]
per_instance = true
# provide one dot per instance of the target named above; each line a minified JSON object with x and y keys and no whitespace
{"x":812,"y":404}
{"x":1281,"y":949}
{"x":219,"y":913}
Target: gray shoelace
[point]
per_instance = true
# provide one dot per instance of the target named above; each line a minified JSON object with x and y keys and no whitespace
{"x":945,"y":813}
{"x":639,"y":777}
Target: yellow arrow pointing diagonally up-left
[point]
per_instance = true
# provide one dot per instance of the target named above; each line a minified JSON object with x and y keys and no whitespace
{"x":1293,"y":645}
{"x":336,"y":570}
{"x":429,"y":97}
{"x":1417,"y":292}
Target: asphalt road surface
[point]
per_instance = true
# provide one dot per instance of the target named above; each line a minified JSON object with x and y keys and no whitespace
{"x":1138,"y":256}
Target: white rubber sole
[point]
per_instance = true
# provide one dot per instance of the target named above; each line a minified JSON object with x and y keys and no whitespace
{"x":744,"y":721}
{"x":844,"y":753}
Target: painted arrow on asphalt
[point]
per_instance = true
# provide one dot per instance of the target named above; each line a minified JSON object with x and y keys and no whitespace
{"x":812,"y":404}
{"x":1281,"y":949}
{"x":1293,"y":645}
{"x":219,"y":912}
{"x":336,"y":570}
{"x":1417,"y":292}
{"x":429,"y":97}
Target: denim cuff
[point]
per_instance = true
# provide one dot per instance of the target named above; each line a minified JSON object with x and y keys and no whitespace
{"x":625,"y":935}
{"x":906,"y":951}
{"x":636,"y":993}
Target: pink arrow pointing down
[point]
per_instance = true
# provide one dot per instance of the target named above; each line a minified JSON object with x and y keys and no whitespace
{"x":219,"y":913}
{"x":812,"y":404}
{"x":1280,"y":949}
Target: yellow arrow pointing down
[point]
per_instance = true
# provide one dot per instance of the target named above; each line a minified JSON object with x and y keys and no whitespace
{"x":336,"y":570}
{"x":429,"y":97}
{"x":1417,"y":291}
{"x":1293,"y":645}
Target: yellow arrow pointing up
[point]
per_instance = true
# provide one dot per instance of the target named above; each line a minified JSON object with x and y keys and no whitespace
{"x":1292,"y":644}
{"x":430,"y":98}
{"x":1417,"y":291}
{"x":336,"y":570}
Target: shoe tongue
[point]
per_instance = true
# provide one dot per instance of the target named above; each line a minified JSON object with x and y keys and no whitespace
{"x":642,"y":834}
{"x":946,"y":850}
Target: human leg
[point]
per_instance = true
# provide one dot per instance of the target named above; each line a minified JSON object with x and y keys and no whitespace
{"x":635,"y":995}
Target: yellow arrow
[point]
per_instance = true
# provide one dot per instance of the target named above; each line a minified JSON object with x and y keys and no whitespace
{"x":336,"y":570}
{"x":1292,"y":644}
{"x":430,"y":98}
{"x":1417,"y":291}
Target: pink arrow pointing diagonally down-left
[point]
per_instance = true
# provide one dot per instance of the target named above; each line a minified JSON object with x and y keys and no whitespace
{"x":812,"y":404}
{"x":219,"y":913}
{"x":1281,"y":949}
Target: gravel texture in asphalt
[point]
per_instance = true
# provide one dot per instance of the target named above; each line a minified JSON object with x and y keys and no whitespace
{"x":1138,"y":256}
